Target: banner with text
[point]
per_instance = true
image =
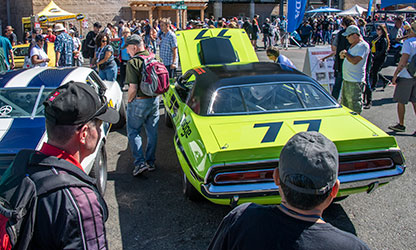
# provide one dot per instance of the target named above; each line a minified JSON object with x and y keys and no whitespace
{"x":295,"y":12}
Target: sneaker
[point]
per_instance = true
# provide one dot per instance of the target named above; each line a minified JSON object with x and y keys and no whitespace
{"x":398,"y":128}
{"x":151,"y":167}
{"x":367,"y":106}
{"x":142,"y":167}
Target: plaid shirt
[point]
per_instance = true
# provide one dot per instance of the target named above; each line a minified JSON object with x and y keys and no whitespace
{"x":65,"y":45}
{"x":167,"y":43}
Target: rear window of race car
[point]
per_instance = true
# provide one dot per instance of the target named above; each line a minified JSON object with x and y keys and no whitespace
{"x":269,"y":97}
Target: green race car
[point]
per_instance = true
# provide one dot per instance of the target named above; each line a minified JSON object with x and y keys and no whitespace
{"x":233,"y":115}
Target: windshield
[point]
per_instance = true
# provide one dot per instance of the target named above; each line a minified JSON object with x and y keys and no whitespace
{"x":270,"y":97}
{"x":19,"y":102}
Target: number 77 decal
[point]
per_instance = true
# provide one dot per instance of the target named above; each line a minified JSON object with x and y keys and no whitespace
{"x":274,"y":128}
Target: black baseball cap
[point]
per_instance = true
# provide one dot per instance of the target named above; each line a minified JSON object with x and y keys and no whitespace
{"x":312,"y":155}
{"x":76,"y":103}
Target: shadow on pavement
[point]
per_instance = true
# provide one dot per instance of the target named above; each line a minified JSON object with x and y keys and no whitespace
{"x":336,"y":216}
{"x":383,"y":101}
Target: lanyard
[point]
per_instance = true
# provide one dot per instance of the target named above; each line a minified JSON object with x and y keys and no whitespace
{"x":301,"y":215}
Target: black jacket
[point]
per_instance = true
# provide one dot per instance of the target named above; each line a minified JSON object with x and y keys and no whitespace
{"x":69,"y":218}
{"x":381,"y":49}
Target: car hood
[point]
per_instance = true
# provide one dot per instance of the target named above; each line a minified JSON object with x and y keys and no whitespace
{"x":263,"y":136}
{"x":20,"y":133}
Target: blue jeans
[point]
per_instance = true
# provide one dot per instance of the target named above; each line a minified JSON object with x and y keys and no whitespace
{"x":143,"y":112}
{"x":172,"y":72}
{"x":109,"y":73}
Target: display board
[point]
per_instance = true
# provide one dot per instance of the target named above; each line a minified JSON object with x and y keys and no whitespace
{"x":322,"y":71}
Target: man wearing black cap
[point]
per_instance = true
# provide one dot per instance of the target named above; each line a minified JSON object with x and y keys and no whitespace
{"x":72,"y":217}
{"x":307,"y":176}
{"x":142,"y":110}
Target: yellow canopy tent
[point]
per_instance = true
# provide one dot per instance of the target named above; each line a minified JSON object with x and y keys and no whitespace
{"x":50,"y":14}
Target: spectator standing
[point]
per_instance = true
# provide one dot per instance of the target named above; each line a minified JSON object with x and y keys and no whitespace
{"x":153,"y":35}
{"x":305,"y":32}
{"x":38,"y":56}
{"x":248,"y":27}
{"x":50,"y":37}
{"x":72,"y":218}
{"x":396,"y":33}
{"x":11,"y":35}
{"x":283,"y":32}
{"x":78,"y":59}
{"x":124,"y":56}
{"x":405,"y":89}
{"x":339,"y":44}
{"x":307,"y":180}
{"x":104,"y":58}
{"x":89,"y":48}
{"x":273,"y":53}
{"x":168,"y":47}
{"x":361,"y":24}
{"x":354,"y":69}
{"x":120,"y":28}
{"x":64,"y":47}
{"x":379,"y":48}
{"x":27,"y":37}
{"x":142,"y":110}
{"x":325,"y":30}
{"x":267,"y":33}
{"x":7,"y":51}
{"x":255,"y":31}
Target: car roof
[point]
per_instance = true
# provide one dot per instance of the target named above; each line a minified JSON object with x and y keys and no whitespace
{"x":209,"y":79}
{"x":36,"y":77}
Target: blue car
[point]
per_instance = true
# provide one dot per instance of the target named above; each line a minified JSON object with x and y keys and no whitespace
{"x":22,"y":121}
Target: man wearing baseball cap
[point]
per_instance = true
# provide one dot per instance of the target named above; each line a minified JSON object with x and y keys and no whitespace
{"x":142,"y":110}
{"x":307,"y":180}
{"x":72,"y":217}
{"x":354,"y":69}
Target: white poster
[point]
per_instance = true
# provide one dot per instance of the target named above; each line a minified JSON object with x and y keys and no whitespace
{"x":322,"y":71}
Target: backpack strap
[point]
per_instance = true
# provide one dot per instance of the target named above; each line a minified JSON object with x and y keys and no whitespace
{"x":52,"y":182}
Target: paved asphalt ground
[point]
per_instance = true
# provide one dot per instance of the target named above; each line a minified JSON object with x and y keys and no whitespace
{"x":149,"y":212}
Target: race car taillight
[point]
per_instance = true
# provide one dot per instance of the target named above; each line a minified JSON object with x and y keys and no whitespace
{"x":365,"y":165}
{"x":244,"y":177}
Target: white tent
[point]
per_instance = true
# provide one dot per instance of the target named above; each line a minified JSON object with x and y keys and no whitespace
{"x":356,"y":10}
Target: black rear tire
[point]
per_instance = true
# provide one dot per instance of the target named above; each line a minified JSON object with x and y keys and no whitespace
{"x":188,"y":190}
{"x":122,"y":112}
{"x":99,"y":169}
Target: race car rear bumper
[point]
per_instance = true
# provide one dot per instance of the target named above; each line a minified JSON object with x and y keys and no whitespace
{"x":371,"y":180}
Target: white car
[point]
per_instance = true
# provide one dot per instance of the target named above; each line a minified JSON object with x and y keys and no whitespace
{"x":22,"y":120}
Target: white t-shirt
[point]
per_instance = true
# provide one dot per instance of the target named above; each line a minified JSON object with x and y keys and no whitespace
{"x":36,"y":51}
{"x":356,"y":73}
{"x":409,"y":47}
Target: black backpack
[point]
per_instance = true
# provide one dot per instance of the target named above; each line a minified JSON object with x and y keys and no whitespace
{"x":29,"y":177}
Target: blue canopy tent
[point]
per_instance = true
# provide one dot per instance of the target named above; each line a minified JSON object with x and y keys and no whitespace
{"x":387,"y":3}
{"x":323,"y":10}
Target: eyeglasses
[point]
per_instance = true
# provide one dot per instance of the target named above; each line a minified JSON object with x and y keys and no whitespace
{"x":105,"y":40}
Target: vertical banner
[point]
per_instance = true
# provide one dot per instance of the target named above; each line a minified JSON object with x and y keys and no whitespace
{"x":295,"y":12}
{"x":369,"y":8}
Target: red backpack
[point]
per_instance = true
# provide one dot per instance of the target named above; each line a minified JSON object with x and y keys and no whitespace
{"x":155,"y":76}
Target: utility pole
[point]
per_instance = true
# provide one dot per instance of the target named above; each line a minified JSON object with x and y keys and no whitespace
{"x":281,"y":8}
{"x":9,"y":21}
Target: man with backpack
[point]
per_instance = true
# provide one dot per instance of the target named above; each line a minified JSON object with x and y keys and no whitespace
{"x":405,"y":83}
{"x":88,"y":45}
{"x":142,"y":108}
{"x":47,"y":200}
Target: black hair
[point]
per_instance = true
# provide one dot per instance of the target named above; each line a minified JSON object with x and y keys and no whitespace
{"x":301,"y":200}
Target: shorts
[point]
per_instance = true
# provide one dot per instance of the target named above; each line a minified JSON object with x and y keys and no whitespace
{"x":254,"y":36}
{"x":405,"y":90}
